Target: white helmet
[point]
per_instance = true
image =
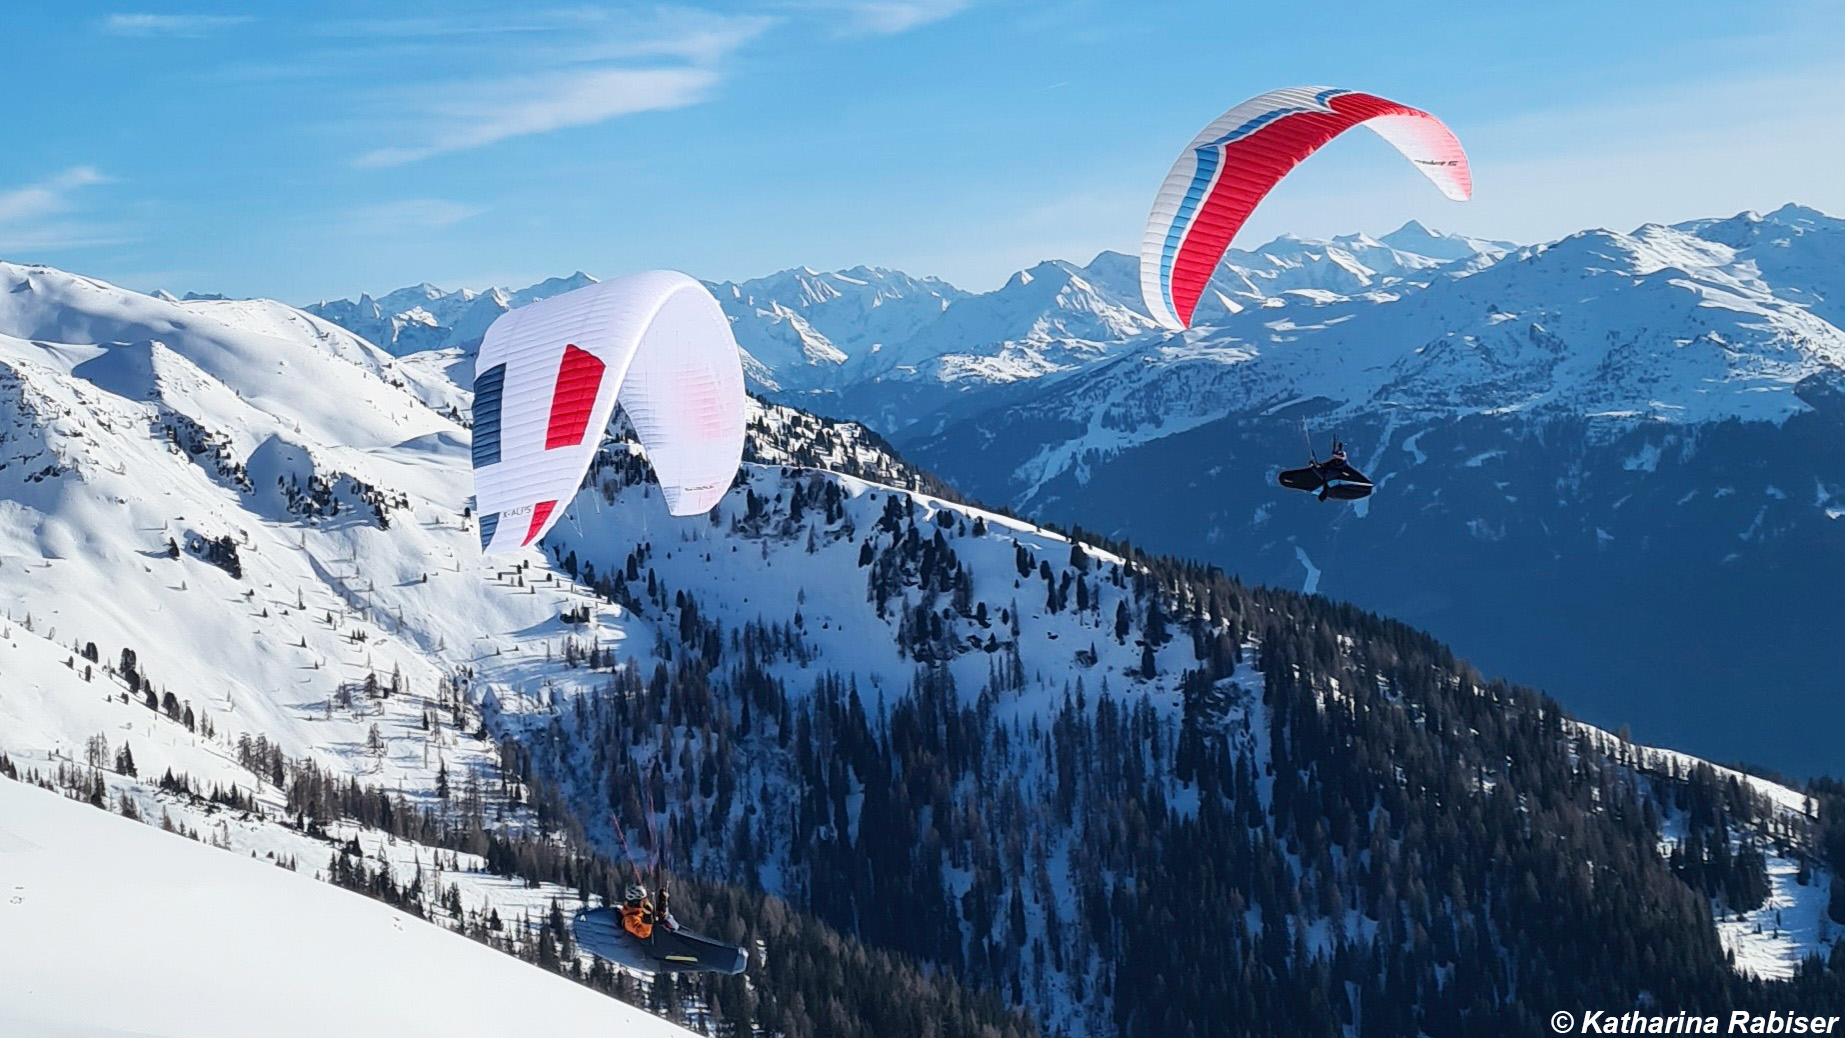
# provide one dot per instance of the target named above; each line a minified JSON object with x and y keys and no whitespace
{"x":634,"y":893}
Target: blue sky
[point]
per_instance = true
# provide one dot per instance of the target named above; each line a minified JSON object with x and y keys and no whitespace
{"x":317,"y":150}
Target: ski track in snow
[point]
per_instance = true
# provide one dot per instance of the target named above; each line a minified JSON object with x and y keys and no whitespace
{"x":1772,"y":941}
{"x":1311,"y":585}
{"x":1412,"y":444}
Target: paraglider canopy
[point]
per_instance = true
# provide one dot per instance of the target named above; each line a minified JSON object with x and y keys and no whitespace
{"x":1226,"y":170}
{"x":549,"y":375}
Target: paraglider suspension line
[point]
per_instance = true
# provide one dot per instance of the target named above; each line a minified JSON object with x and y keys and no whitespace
{"x":653,"y":837}
{"x":626,"y":852}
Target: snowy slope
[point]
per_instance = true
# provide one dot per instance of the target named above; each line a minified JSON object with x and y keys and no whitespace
{"x":1772,"y":941}
{"x":1021,"y":330}
{"x":313,"y":455}
{"x":342,"y":485}
{"x":1415,"y":239}
{"x":1797,"y":249}
{"x":827,"y":584}
{"x":114,"y":928}
{"x":1346,"y":265}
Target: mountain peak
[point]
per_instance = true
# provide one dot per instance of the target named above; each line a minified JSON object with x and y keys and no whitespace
{"x":1422,"y":240}
{"x":1800,"y":228}
{"x":1413,"y":232}
{"x":1804,"y":217}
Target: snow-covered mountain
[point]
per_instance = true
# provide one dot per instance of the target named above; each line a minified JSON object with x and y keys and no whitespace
{"x":1660,"y":325}
{"x":893,"y":349}
{"x":235,"y":546}
{"x":1051,"y":319}
{"x":804,"y":330}
{"x":424,"y":317}
{"x":198,"y":942}
{"x":1796,"y":249}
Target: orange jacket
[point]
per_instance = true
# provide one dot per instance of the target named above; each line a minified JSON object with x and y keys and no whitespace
{"x":638,"y":920}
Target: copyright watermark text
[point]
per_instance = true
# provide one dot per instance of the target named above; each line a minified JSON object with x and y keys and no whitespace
{"x":1595,"y":1021}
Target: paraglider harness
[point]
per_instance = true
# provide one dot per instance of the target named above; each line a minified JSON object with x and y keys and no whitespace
{"x":649,"y":921}
{"x":1333,"y":478}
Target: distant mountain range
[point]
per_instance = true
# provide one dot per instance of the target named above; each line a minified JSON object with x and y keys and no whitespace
{"x":813,"y":332}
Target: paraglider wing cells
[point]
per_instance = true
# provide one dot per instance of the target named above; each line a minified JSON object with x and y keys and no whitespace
{"x":1233,"y":163}
{"x":550,"y":374}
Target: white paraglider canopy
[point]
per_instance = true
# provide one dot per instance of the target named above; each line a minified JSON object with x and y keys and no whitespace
{"x":549,"y":375}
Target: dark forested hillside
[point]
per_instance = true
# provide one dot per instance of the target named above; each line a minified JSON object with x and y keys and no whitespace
{"x":1280,"y":816}
{"x":1678,"y":566}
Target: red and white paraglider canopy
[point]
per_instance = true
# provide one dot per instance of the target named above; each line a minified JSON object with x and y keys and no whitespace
{"x":1228,"y":168}
{"x":549,"y":375}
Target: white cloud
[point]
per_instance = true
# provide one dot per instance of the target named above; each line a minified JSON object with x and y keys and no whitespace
{"x":37,"y":216}
{"x":478,"y":114}
{"x":409,"y":215}
{"x":46,"y":198}
{"x":681,"y":34}
{"x":189,"y":25}
{"x":572,"y":34}
{"x":607,"y":65}
{"x":883,"y":17}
